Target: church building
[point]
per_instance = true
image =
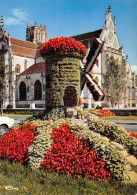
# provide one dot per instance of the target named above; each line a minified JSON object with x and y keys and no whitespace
{"x":24,"y":84}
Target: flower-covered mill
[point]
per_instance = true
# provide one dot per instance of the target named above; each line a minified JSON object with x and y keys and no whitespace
{"x":65,"y":73}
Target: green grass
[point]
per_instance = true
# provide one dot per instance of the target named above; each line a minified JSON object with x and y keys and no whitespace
{"x":16,"y":115}
{"x":47,"y":183}
{"x":121,"y":117}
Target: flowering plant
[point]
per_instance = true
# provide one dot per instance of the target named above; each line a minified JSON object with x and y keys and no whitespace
{"x":72,"y":154}
{"x":14,"y":144}
{"x":62,"y":44}
{"x":132,"y":134}
{"x":105,"y":112}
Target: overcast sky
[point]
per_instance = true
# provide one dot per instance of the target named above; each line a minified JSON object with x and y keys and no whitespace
{"x":72,"y":17}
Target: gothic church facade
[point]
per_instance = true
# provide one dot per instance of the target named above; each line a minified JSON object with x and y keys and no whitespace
{"x":25,"y":78}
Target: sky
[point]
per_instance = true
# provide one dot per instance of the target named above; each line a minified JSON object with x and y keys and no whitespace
{"x":73,"y":17}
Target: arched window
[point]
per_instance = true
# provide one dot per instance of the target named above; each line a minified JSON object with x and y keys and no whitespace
{"x":70,"y":96}
{"x":37,"y":90}
{"x":17,"y":68}
{"x":22,"y":91}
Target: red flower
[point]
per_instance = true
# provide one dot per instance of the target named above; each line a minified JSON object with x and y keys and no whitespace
{"x":14,"y":144}
{"x":65,"y":44}
{"x":72,"y":154}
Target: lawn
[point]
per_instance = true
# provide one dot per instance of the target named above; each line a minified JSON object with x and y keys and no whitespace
{"x":23,"y":180}
{"x":121,"y":117}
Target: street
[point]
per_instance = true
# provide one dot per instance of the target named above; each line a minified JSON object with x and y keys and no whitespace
{"x":130,"y":125}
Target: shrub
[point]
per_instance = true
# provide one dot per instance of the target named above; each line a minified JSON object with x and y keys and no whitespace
{"x":112,"y":131}
{"x":14,"y":144}
{"x":71,"y":154}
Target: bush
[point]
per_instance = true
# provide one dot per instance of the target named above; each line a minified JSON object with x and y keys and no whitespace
{"x":112,"y":131}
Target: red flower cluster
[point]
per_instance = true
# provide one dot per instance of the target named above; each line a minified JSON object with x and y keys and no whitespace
{"x":105,"y":112}
{"x":14,"y":144}
{"x":55,"y":45}
{"x":132,"y":134}
{"x":71,"y":154}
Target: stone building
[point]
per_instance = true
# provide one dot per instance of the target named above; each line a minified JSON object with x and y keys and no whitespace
{"x":25,"y":79}
{"x":17,"y":56}
{"x":111,"y":47}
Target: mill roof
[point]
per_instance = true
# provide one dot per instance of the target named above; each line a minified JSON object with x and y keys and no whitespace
{"x":35,"y":68}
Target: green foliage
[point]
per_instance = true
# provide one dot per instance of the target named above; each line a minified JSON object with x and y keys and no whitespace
{"x":112,"y":131}
{"x":114,"y":82}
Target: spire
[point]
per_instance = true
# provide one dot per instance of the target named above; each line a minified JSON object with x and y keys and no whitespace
{"x":106,"y":18}
{"x":2,"y":23}
{"x":109,"y":9}
{"x":35,"y":23}
{"x":114,"y":24}
{"x":106,"y":15}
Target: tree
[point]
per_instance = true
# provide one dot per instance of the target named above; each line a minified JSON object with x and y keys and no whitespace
{"x":114,"y":82}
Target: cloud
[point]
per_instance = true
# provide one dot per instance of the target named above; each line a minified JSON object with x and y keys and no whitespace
{"x":134,"y":68}
{"x":18,"y":17}
{"x":20,"y":14}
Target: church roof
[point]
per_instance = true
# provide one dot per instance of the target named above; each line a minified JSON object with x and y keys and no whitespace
{"x":35,"y":68}
{"x":86,"y":37}
{"x":23,"y":48}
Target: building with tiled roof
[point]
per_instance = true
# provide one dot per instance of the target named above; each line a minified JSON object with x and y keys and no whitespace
{"x":30,"y":91}
{"x":19,"y":55}
{"x":25,"y":86}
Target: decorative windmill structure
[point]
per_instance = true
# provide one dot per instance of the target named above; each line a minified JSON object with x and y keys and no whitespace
{"x":87,"y":78}
{"x":66,"y":76}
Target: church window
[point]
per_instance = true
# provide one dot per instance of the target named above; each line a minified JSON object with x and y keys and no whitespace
{"x":17,"y":68}
{"x":25,"y":64}
{"x":22,"y":91}
{"x":37,"y":90}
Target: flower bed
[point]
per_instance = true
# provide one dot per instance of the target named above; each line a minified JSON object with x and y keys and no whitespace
{"x":71,"y":154}
{"x":63,"y":44}
{"x":132,"y":134}
{"x":102,"y":112}
{"x":113,"y":132}
{"x":105,"y":148}
{"x":14,"y":144}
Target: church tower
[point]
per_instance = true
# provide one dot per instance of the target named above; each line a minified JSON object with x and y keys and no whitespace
{"x":36,"y":34}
